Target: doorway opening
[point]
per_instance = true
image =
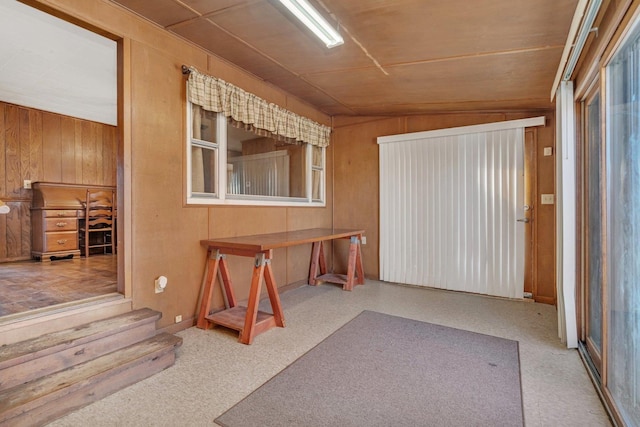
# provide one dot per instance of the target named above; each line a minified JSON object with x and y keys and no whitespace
{"x":62,"y":129}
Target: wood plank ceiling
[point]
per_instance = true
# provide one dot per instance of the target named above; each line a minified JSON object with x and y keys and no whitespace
{"x":399,"y":57}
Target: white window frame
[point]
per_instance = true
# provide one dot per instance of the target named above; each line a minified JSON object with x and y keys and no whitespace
{"x":220,"y":197}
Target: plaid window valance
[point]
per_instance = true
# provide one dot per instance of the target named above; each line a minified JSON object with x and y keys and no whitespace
{"x":253,"y":112}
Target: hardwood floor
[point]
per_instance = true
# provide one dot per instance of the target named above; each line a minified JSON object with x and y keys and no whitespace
{"x":32,"y":285}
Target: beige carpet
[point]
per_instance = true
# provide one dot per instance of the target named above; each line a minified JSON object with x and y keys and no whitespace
{"x":214,"y":372}
{"x":382,"y":370}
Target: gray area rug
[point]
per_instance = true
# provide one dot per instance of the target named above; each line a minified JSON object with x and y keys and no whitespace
{"x":382,"y":370}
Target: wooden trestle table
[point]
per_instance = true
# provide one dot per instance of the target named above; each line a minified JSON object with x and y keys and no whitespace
{"x":249,"y":321}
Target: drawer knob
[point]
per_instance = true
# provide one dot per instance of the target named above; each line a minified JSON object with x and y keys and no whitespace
{"x":61,"y":224}
{"x":62,"y":241}
{"x":60,"y":213}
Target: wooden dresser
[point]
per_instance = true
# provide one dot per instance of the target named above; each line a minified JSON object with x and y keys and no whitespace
{"x":55,"y":213}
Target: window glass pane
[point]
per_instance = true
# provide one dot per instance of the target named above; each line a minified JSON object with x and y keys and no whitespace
{"x":594,"y":225}
{"x":203,"y":169}
{"x":258,"y":167}
{"x":623,"y":198}
{"x":317,"y":184}
{"x":204,"y":124}
{"x":262,"y":166}
{"x":317,"y":156}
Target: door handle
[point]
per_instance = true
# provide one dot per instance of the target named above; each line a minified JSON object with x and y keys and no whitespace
{"x":525,"y":220}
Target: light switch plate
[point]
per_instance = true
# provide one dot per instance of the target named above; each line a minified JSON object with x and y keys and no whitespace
{"x":547,"y":199}
{"x":548,"y":151}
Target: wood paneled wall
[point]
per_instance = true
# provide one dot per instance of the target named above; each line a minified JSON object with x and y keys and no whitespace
{"x":356,"y":178}
{"x":39,"y":146}
{"x":161,"y":234}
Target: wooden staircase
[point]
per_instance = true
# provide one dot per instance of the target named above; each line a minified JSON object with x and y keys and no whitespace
{"x":44,"y":378}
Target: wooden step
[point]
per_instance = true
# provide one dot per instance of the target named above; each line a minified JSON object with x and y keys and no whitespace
{"x":43,"y":400}
{"x":27,"y":360}
{"x":32,"y":324}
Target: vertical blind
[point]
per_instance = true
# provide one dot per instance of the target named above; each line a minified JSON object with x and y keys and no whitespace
{"x":448,"y":210}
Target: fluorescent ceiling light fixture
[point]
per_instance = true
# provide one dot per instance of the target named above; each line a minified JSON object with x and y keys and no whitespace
{"x":314,"y":21}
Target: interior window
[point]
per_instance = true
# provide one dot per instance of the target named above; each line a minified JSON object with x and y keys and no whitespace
{"x":262,"y":166}
{"x":231,"y":163}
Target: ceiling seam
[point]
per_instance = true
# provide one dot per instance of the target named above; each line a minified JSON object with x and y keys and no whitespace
{"x":436,"y":60}
{"x":352,"y":37}
{"x":204,"y":15}
{"x":277,"y":63}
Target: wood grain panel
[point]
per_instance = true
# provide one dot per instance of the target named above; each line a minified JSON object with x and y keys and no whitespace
{"x":12,"y":151}
{"x":541,"y":103}
{"x":3,"y":166}
{"x":99,"y":154}
{"x":42,"y":146}
{"x":25,"y":145}
{"x":223,"y":44}
{"x":356,"y":191}
{"x":24,"y":214}
{"x":51,"y":148}
{"x":443,"y":121}
{"x":3,"y":219}
{"x":67,"y":150}
{"x":89,"y":153}
{"x":165,"y":12}
{"x":3,"y":237}
{"x":109,"y":149}
{"x":14,"y":230}
{"x":164,"y":233}
{"x":78,"y":151}
{"x":206,"y":6}
{"x":400,"y":32}
{"x":546,"y":215}
{"x":35,"y":150}
{"x":471,"y":76}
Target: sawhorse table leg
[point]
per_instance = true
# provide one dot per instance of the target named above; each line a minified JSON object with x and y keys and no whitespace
{"x":355,"y":270}
{"x":252,"y":326}
{"x":317,"y":262}
{"x":354,"y":265}
{"x":216,"y":265}
{"x":248,"y":321}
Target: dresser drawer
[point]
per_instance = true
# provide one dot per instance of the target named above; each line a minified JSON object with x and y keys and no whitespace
{"x":60,"y":224}
{"x":59,"y":213}
{"x":61,"y":241}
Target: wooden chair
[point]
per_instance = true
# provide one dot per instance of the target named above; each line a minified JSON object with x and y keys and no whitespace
{"x":98,"y":228}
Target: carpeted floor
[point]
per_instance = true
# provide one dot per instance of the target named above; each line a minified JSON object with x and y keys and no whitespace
{"x":382,"y":370}
{"x":214,"y":372}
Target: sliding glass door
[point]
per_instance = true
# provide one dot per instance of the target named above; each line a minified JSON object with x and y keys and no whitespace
{"x":593,"y":225}
{"x":622,"y":296}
